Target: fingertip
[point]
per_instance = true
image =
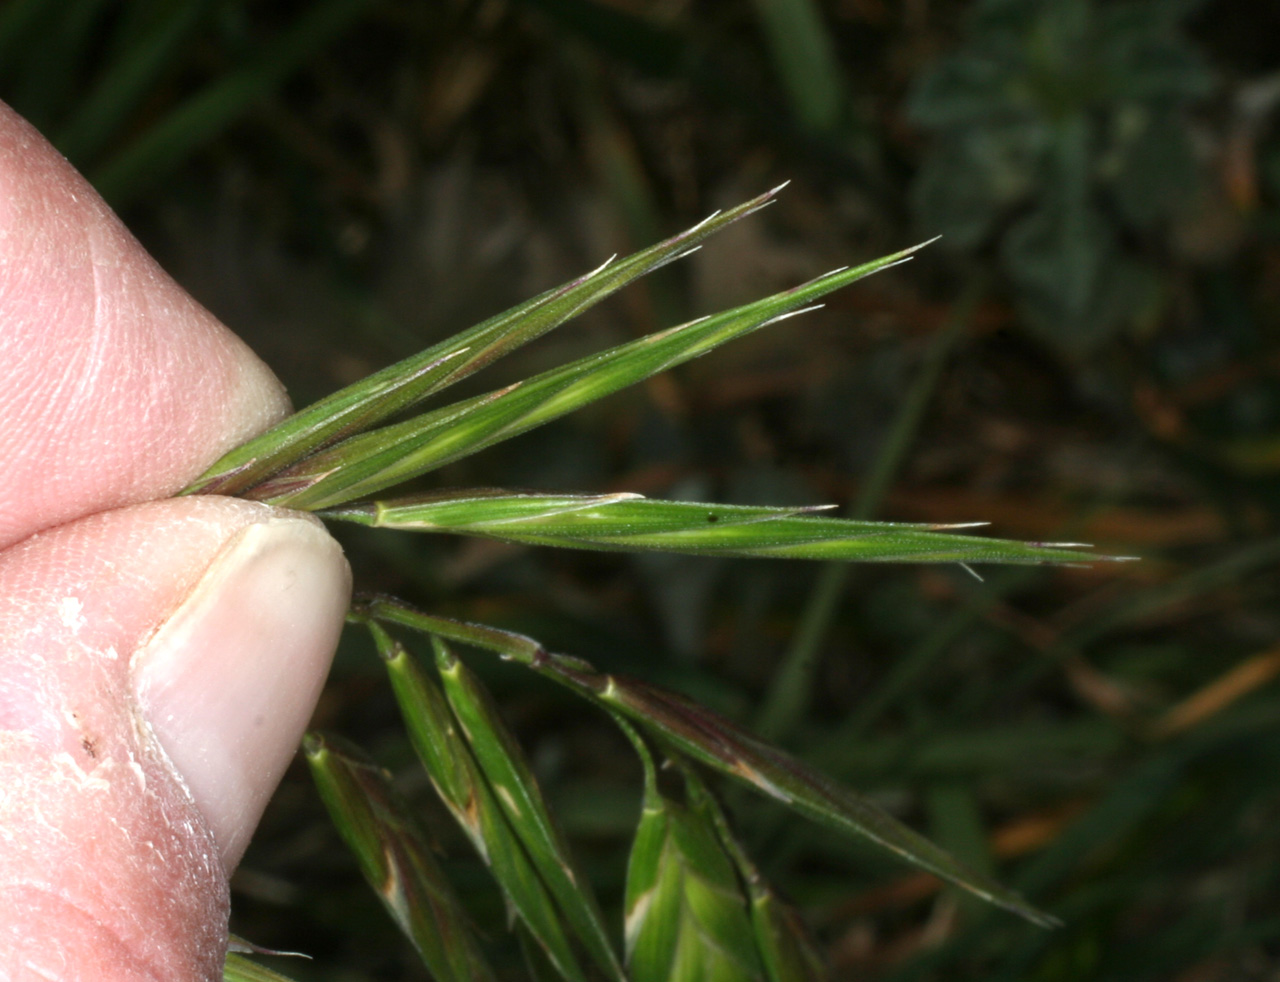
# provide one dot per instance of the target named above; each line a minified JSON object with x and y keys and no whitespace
{"x":131,"y":823}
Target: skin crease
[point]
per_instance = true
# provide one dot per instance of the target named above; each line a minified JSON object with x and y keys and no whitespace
{"x":158,"y":658}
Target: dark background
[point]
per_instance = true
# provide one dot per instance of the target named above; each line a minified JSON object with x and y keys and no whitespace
{"x":1094,"y":344}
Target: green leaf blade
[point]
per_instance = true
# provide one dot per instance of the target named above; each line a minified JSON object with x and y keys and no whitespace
{"x":127,"y":80}
{"x":209,"y":111}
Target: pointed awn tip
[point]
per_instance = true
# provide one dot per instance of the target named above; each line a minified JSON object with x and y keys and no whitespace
{"x":792,"y":313}
{"x":910,"y":251}
{"x":599,"y":269}
{"x":899,"y":262}
{"x":675,"y":257}
{"x":710,"y":218}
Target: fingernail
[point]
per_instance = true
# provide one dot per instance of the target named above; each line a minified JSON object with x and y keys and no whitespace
{"x":229,"y":681}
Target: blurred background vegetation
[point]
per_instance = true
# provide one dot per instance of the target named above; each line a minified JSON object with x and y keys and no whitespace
{"x":1092,"y":352}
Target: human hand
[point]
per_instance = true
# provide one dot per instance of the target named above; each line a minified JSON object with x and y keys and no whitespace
{"x":158,"y":658}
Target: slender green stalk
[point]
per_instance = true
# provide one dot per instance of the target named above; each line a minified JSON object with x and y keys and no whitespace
{"x":804,"y":58}
{"x":914,"y":663}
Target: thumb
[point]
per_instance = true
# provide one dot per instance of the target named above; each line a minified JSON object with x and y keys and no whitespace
{"x":160,"y":662}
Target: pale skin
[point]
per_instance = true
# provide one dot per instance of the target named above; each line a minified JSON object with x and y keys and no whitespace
{"x":159,"y":657}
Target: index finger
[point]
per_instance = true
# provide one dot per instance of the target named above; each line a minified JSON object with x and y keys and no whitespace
{"x":115,"y":386}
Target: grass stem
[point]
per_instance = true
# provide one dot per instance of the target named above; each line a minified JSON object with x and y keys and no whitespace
{"x":793,"y":683}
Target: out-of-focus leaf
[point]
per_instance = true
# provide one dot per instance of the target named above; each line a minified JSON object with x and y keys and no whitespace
{"x":631,"y":523}
{"x":696,"y":732}
{"x":404,"y":384}
{"x":461,"y":785}
{"x":520,"y":798}
{"x":1145,"y":55}
{"x":1155,"y":165}
{"x":367,"y":463}
{"x":153,"y":48}
{"x":804,"y":57}
{"x":18,"y":18}
{"x":1075,"y":285}
{"x":997,"y":166}
{"x":396,"y":859}
{"x":1064,"y":123}
{"x":204,"y":115}
{"x":46,"y":51}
